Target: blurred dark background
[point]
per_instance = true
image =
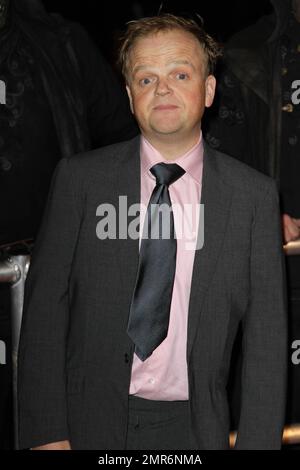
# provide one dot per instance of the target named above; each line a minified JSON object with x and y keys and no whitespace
{"x":104,"y":21}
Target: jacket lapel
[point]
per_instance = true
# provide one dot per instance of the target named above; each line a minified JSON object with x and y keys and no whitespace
{"x":128,"y":184}
{"x":216,"y":197}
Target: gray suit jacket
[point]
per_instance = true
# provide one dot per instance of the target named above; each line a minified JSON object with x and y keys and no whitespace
{"x":75,"y":356}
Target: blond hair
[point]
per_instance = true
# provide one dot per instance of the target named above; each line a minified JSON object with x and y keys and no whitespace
{"x":166,"y":22}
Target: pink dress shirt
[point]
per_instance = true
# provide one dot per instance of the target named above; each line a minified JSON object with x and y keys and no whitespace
{"x":164,"y":375}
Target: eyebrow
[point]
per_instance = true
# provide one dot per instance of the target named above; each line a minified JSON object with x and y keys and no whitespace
{"x":173,"y":62}
{"x":181,"y":62}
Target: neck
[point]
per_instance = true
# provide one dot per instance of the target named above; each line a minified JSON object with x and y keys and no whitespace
{"x":171,"y":148}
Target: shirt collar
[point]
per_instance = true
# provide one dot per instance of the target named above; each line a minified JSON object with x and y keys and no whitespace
{"x":191,"y":161}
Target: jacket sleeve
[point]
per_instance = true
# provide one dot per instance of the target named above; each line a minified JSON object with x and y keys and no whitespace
{"x":42,"y":347}
{"x":264,"y":334}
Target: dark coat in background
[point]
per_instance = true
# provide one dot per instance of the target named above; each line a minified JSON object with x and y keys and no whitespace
{"x":245,"y":119}
{"x":62,"y":98}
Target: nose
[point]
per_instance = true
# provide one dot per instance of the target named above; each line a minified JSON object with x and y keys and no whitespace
{"x":163,"y":87}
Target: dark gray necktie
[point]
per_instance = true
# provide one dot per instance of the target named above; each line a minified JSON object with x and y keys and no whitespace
{"x":150,"y":306}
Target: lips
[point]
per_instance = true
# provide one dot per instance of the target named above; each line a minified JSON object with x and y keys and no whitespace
{"x":165,"y":107}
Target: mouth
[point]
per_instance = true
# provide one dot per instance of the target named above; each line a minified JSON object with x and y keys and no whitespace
{"x":165,"y":107}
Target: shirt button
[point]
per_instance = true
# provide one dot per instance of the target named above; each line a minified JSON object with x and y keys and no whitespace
{"x":151,"y":381}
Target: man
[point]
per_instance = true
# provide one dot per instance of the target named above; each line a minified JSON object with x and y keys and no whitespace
{"x":257,"y":120}
{"x":128,"y":350}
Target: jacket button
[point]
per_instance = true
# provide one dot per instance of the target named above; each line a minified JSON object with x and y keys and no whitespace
{"x":126,"y":356}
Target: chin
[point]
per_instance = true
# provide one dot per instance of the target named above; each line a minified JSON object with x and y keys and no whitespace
{"x":163,"y":128}
{"x":166,"y":130}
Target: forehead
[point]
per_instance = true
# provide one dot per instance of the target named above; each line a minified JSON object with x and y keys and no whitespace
{"x":165,"y":46}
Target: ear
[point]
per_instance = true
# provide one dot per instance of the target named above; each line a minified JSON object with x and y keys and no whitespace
{"x":210,"y":88}
{"x":130,"y":98}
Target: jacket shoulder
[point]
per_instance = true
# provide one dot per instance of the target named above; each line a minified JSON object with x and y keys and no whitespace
{"x":105,"y":158}
{"x":241,"y":176}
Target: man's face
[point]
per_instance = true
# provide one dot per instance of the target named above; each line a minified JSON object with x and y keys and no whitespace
{"x":167,"y":87}
{"x":3,"y":12}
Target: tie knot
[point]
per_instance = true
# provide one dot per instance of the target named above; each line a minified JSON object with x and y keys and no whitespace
{"x":167,"y":173}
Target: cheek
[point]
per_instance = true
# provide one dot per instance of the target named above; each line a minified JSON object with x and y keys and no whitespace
{"x":195,"y":100}
{"x":141,"y":101}
{"x":191,"y":94}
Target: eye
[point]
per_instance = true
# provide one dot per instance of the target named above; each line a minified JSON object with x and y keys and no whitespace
{"x":145,"y":81}
{"x":181,"y":76}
